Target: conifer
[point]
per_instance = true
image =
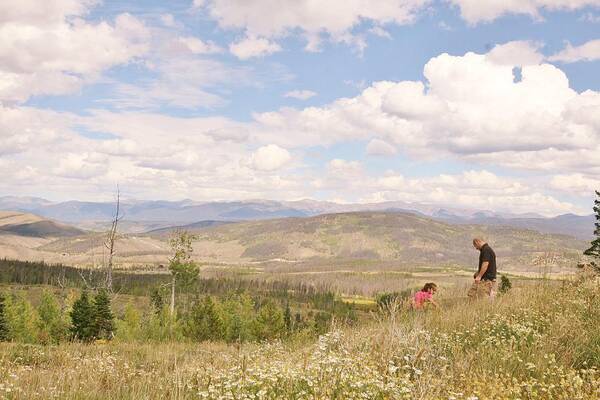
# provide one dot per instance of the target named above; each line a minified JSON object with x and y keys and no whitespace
{"x":103,"y":321}
{"x":82,"y":317}
{"x":594,"y":250}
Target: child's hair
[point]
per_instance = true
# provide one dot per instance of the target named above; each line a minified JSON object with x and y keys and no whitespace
{"x":428,"y":286}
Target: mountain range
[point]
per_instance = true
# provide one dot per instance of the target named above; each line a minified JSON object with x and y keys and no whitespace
{"x":144,"y":216}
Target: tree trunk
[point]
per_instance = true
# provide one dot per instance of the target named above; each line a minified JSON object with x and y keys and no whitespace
{"x":173,"y":296}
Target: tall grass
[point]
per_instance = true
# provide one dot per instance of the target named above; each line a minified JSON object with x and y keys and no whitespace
{"x":540,"y":341}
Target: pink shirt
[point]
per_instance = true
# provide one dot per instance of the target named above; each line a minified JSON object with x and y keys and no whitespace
{"x":421,"y":297}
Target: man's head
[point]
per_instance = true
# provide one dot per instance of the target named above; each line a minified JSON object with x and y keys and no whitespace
{"x":478,"y":243}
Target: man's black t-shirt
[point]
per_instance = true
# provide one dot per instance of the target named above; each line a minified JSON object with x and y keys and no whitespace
{"x":487,"y":254}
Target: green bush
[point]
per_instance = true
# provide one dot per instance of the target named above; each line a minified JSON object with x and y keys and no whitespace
{"x":505,"y":284}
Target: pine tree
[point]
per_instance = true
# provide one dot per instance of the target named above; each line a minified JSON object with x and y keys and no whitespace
{"x":4,"y":332}
{"x":269,"y":323}
{"x":205,"y":321}
{"x":82,"y":317}
{"x":594,"y":250}
{"x":103,"y":321}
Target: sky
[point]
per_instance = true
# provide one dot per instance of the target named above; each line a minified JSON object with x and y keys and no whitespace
{"x":480,"y":104}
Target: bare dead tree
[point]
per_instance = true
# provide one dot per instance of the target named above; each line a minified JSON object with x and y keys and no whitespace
{"x":110,"y":242}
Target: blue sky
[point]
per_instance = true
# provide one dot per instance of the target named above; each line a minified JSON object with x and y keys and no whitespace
{"x":351,"y":101}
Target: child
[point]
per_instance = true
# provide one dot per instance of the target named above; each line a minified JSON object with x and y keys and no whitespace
{"x":425,"y":296}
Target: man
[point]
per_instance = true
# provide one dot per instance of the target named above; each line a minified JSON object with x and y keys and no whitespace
{"x":485,"y":277}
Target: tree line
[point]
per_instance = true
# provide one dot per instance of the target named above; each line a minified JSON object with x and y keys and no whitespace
{"x":88,"y":317}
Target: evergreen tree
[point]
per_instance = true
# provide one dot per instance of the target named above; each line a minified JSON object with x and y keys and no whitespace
{"x":4,"y":332}
{"x":238,"y":315}
{"x":594,"y":250}
{"x":269,"y":323}
{"x":205,"y":321}
{"x":157,"y":299}
{"x":82,"y":318}
{"x":102,"y":324}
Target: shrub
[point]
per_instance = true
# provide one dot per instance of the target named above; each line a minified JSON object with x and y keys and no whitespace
{"x":505,"y":284}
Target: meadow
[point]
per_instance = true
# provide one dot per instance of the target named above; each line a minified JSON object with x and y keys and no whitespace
{"x":541,"y":340}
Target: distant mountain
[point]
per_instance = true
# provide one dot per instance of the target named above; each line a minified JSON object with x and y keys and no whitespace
{"x":140,"y":216}
{"x":581,"y":227}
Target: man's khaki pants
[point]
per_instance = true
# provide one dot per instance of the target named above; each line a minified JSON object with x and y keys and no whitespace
{"x":482,"y":289}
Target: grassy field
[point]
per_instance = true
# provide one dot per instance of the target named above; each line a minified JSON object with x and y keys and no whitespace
{"x":541,"y":341}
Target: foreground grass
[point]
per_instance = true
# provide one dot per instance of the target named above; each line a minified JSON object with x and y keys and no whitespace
{"x":539,"y":342}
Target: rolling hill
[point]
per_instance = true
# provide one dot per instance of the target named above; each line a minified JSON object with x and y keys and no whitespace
{"x":379,"y":238}
{"x":399,"y":237}
{"x":29,"y":225}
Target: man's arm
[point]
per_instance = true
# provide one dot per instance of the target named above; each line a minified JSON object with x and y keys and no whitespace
{"x":484,"y":267}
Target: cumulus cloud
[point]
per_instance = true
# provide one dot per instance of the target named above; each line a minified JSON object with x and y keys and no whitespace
{"x":270,"y":158}
{"x":253,"y":47}
{"x":47,"y":51}
{"x":521,"y":52}
{"x":471,"y":189}
{"x":475,"y":11}
{"x":334,"y":19}
{"x":198,"y":46}
{"x":470,"y":107}
{"x":589,"y":51}
{"x":300,"y":94}
{"x":577,"y":184}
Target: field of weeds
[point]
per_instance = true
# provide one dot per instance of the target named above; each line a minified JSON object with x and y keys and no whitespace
{"x":540,"y":341}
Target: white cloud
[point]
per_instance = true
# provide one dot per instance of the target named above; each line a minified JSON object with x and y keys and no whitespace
{"x":300,"y":94}
{"x":377,"y":147}
{"x":270,"y":158}
{"x":475,"y":11}
{"x":334,"y":18}
{"x":523,"y":52}
{"x":253,"y":47}
{"x":45,"y":49}
{"x":379,"y":31}
{"x":197,"y":46}
{"x":471,"y":108}
{"x":43,"y":13}
{"x":576,"y":184}
{"x":589,"y":51}
{"x":81,"y":165}
{"x":472,"y":189}
{"x":182,"y":82}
